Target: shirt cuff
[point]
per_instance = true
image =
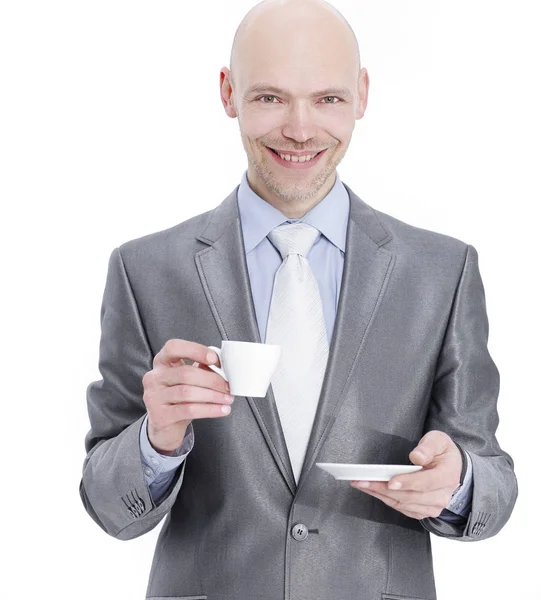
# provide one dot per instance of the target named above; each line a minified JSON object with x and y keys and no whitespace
{"x":156,"y":464}
{"x":460,"y":502}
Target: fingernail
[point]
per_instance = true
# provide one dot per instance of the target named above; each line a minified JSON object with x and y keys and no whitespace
{"x":226,"y":409}
{"x":395,"y":485}
{"x":363,"y":484}
{"x":211,"y":357}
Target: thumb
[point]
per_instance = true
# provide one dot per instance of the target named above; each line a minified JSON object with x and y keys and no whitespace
{"x":419,"y":456}
{"x":429,"y":446}
{"x":423,"y":454}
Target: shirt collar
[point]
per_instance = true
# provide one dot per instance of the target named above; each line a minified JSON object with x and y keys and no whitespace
{"x":258,"y":217}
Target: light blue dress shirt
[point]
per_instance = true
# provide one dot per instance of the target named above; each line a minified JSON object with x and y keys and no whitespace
{"x":326,"y":259}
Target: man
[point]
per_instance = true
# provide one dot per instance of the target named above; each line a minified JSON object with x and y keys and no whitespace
{"x":395,"y":332}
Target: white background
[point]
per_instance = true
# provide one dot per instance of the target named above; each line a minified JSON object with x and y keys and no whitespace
{"x":111,"y":127}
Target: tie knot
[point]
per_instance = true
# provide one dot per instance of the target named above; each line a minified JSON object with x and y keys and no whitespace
{"x":294,"y":238}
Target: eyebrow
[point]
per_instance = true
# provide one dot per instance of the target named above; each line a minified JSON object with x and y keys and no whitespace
{"x":258,"y":88}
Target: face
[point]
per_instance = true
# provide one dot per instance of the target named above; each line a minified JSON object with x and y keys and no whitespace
{"x":298,"y":94}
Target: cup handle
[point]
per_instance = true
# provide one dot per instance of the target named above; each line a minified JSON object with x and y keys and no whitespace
{"x":214,"y":367}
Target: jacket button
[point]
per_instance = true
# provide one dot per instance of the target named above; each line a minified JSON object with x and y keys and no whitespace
{"x":299,"y":532}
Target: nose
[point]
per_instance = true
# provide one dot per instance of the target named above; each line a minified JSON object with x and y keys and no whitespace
{"x":299,"y":122}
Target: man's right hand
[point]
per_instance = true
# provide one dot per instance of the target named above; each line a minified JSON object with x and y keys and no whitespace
{"x":176,"y":393}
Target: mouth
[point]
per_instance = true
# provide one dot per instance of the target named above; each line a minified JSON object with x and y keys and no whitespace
{"x":293,"y":162}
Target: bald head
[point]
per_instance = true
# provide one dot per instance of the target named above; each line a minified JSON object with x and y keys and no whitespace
{"x":296,"y":24}
{"x":288,"y":60}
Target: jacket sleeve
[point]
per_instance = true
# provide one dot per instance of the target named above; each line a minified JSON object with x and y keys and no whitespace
{"x":113,"y":487}
{"x":160,"y":469}
{"x":460,"y":503}
{"x":464,"y":399}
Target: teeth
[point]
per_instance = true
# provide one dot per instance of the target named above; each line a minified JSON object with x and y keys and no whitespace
{"x":300,"y":159}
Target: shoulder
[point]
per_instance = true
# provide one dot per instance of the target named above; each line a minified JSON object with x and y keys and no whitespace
{"x":413,"y":241}
{"x":164,"y":243}
{"x":405,"y":239}
{"x":408,"y":234}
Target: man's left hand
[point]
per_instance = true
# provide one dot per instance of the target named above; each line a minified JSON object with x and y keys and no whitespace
{"x":427,"y":492}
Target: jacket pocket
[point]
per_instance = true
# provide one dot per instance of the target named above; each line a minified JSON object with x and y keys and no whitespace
{"x":398,"y":597}
{"x":177,"y":598}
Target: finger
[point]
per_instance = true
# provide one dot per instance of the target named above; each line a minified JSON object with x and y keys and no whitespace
{"x":190,"y":375}
{"x":176,"y":394}
{"x":203,"y":367}
{"x":174,"y":350}
{"x":418,"y":509}
{"x":195,"y":410}
{"x":209,"y":370}
{"x":434,"y":477}
{"x":428,"y":480}
{"x":432,"y":498}
{"x":430,"y":445}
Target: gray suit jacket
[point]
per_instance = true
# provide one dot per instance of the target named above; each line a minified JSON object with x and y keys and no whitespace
{"x":408,"y":355}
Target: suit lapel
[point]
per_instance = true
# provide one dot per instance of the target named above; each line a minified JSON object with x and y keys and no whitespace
{"x":224,"y":275}
{"x":225,"y":279}
{"x":367,"y":267}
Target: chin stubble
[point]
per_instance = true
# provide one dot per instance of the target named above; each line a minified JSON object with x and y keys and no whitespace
{"x":293,"y":194}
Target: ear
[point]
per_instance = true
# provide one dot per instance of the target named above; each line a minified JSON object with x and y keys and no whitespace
{"x":226,"y":92}
{"x":362,"y":97}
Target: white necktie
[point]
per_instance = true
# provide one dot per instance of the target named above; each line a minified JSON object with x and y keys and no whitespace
{"x":297,"y":324}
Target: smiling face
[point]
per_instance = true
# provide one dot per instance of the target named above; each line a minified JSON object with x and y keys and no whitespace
{"x":296,"y":87}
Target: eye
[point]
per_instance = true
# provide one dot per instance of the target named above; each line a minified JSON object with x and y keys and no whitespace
{"x":325,"y":98}
{"x":267,"y":97}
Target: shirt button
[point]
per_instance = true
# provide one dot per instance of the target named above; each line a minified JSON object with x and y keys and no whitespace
{"x":148,"y":471}
{"x":299,"y":532}
{"x":153,"y":461}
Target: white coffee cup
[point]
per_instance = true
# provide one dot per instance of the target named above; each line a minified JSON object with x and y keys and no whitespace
{"x":247,"y":366}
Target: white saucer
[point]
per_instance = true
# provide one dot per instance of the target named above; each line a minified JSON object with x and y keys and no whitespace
{"x":353,"y":472}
